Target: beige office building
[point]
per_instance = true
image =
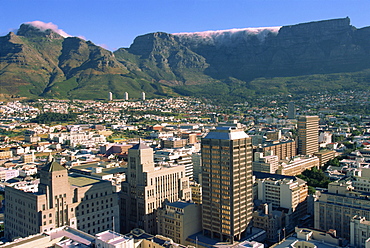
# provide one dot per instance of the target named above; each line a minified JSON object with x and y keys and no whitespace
{"x":268,"y":164}
{"x":324,"y":156}
{"x":147,"y":187}
{"x":284,"y":192}
{"x":360,"y":232}
{"x":297,"y":165}
{"x":282,"y":149}
{"x":336,"y":207}
{"x":62,"y":199}
{"x":178,"y":220}
{"x":308,"y":135}
{"x":226,"y":183}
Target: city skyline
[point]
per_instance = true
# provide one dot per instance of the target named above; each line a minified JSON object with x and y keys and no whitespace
{"x":115,"y":24}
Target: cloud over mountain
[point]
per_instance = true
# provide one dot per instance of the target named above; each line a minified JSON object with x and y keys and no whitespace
{"x":45,"y":26}
{"x":227,"y":36}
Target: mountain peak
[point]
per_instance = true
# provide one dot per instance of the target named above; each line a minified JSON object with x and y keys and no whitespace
{"x":38,"y":28}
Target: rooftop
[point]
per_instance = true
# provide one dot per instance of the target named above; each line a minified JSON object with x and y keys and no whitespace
{"x":179,"y":204}
{"x":140,"y":146}
{"x":81,"y":181}
{"x":226,"y":133}
{"x":111,"y":237}
{"x":261,"y":175}
{"x":289,"y":242}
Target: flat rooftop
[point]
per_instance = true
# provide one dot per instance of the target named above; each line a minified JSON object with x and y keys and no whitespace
{"x":292,"y":240}
{"x":111,"y":237}
{"x":81,"y":180}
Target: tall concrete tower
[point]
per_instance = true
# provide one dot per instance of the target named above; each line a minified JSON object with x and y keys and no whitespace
{"x":143,"y":96}
{"x":110,"y":96}
{"x":308,"y":135}
{"x":291,"y":110}
{"x":126,"y":96}
{"x":147,"y":187}
{"x":226,"y":183}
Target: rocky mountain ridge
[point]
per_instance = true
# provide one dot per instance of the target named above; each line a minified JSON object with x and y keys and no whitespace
{"x":43,"y":63}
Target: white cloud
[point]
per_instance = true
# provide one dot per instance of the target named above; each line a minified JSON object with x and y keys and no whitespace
{"x":229,"y":35}
{"x":45,"y":26}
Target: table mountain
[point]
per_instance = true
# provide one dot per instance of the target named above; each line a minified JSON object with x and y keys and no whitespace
{"x":298,"y":58}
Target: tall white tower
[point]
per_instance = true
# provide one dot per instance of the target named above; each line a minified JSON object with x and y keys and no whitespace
{"x":110,"y":96}
{"x":126,"y":96}
{"x":143,"y":96}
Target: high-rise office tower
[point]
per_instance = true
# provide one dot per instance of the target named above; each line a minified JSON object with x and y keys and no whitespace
{"x":308,"y":135}
{"x":147,"y":187}
{"x":291,"y":110}
{"x":226,"y":183}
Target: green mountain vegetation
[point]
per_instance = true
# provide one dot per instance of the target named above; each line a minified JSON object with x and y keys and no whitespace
{"x":301,"y":59}
{"x":50,"y":117}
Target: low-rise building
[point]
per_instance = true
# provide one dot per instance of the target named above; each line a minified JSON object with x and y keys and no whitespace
{"x":286,"y":193}
{"x":297,"y":165}
{"x":324,"y":156}
{"x":284,"y":149}
{"x":268,"y":164}
{"x":173,"y":142}
{"x":177,"y":220}
{"x":311,"y":238}
{"x":335,"y":207}
{"x":360,"y":232}
{"x":4,"y":154}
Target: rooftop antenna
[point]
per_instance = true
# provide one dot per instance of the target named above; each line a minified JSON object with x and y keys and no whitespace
{"x":113,"y":227}
{"x":50,"y":157}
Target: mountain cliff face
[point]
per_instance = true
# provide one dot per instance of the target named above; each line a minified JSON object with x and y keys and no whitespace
{"x":309,"y":48}
{"x":163,"y":58}
{"x":37,"y":62}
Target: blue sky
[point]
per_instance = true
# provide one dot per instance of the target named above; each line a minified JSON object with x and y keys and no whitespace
{"x":115,"y":23}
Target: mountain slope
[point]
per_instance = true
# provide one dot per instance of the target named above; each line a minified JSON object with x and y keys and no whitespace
{"x":36,"y":63}
{"x":232,"y":64}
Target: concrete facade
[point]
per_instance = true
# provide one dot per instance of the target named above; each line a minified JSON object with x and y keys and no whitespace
{"x":178,"y":220}
{"x":62,"y":199}
{"x":336,"y":207}
{"x":147,"y":187}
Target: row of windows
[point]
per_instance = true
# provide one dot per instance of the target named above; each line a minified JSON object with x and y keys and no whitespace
{"x":93,"y":210}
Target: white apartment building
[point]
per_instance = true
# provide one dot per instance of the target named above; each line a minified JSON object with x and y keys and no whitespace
{"x":78,"y":138}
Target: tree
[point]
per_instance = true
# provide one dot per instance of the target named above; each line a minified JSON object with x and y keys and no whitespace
{"x":315,"y":178}
{"x":331,"y":162}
